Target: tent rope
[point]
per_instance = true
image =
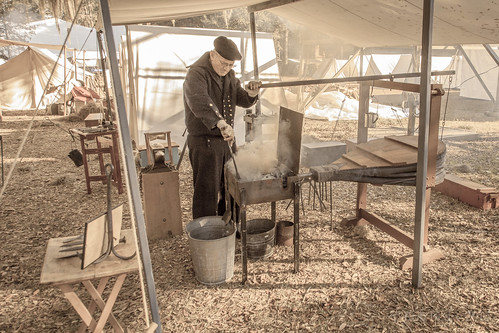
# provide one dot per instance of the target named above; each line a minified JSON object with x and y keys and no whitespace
{"x":445,"y":109}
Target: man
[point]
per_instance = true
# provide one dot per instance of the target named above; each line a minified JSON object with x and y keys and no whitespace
{"x":211,"y":94}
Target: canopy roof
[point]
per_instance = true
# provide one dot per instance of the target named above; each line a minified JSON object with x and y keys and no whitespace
{"x":364,"y":23}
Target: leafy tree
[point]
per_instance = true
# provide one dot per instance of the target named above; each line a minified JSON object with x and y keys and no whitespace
{"x":13,"y":16}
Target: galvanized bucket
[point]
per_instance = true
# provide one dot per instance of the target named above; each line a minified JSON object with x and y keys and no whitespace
{"x":285,"y":231}
{"x":212,"y":246}
{"x":261,"y":238}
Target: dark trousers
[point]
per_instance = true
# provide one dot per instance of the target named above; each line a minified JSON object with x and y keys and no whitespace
{"x":208,"y":156}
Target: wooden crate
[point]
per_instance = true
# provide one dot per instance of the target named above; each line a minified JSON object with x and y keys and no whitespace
{"x":162,"y":204}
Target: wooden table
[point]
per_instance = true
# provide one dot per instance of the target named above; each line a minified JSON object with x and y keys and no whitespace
{"x":100,"y":135}
{"x":63,"y":273}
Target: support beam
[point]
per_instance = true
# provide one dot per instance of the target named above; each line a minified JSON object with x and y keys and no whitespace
{"x":424,"y":122}
{"x":133,"y":185}
{"x":352,"y":79}
{"x":494,"y":56}
{"x":269,"y":4}
{"x":258,"y":109}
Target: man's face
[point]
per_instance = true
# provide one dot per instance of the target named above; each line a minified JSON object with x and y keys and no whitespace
{"x":221,"y":65}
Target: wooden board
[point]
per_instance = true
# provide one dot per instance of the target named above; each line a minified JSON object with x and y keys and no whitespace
{"x":95,"y":240}
{"x":162,"y":204}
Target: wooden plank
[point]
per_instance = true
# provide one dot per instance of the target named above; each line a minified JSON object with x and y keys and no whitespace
{"x":385,"y":226}
{"x":394,"y":153}
{"x":162,"y":204}
{"x":431,"y":255}
{"x":96,"y":237}
{"x":365,"y":159}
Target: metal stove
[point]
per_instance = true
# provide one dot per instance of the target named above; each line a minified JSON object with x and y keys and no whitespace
{"x":271,"y":190}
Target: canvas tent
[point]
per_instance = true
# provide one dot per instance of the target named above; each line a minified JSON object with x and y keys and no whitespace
{"x":363,"y":23}
{"x":161,"y":56}
{"x":24,"y":78}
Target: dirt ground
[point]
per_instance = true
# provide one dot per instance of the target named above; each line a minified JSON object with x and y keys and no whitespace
{"x":349,"y":278}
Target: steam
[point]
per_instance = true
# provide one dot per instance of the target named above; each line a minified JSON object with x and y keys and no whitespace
{"x":258,"y":159}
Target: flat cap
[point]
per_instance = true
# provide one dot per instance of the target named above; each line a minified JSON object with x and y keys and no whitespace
{"x":227,"y":48}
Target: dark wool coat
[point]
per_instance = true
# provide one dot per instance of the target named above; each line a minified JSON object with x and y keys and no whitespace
{"x":207,"y":99}
{"x":204,"y":100}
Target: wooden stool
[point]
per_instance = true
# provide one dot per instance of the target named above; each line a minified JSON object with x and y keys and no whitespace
{"x":110,"y":137}
{"x":63,"y":273}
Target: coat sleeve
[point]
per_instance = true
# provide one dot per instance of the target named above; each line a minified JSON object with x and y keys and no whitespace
{"x":198,"y":99}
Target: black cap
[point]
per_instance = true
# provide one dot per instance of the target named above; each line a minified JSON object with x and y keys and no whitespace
{"x":227,"y":48}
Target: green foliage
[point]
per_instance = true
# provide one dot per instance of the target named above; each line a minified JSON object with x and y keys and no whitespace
{"x":233,"y":19}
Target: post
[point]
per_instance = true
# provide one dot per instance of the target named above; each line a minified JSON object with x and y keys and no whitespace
{"x":424,"y":119}
{"x":133,"y":188}
{"x":258,"y":110}
{"x":65,"y":92}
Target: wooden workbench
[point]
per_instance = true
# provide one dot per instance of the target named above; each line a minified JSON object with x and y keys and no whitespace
{"x":64,"y":273}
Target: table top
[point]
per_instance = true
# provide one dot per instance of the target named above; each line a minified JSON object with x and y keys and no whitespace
{"x":68,"y":270}
{"x":91,"y":132}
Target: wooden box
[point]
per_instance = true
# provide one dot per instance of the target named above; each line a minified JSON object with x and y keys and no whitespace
{"x":161,"y":196}
{"x":321,"y":153}
{"x":93,"y":119}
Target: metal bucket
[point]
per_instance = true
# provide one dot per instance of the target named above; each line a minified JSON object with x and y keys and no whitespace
{"x":212,"y":246}
{"x":285,"y":231}
{"x":260,"y":238}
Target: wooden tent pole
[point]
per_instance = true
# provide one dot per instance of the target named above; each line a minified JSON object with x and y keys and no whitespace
{"x":424,"y":124}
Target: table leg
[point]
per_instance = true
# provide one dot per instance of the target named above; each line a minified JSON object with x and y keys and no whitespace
{"x":296,"y":229}
{"x":244,"y":249}
{"x":116,"y":162}
{"x":101,"y":159}
{"x":97,"y":300}
{"x":77,"y":305}
{"x":92,"y":306}
{"x":108,"y":306}
{"x":85,"y":163}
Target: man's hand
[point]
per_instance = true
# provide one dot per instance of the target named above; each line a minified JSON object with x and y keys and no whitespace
{"x":253,"y":87}
{"x":227,"y":130}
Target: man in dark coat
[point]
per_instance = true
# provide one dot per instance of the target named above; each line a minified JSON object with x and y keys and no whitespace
{"x":211,"y":94}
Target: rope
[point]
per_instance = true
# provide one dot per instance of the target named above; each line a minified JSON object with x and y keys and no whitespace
{"x":339,"y":114}
{"x":30,"y":126}
{"x":445,"y":110}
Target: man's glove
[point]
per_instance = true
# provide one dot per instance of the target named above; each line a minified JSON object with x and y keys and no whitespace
{"x":227,"y":130}
{"x":252,"y":88}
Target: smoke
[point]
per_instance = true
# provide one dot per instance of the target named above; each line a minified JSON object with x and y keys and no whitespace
{"x":261,"y":158}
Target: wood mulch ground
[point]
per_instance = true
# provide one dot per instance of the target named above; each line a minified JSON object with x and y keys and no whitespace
{"x":349,"y":278}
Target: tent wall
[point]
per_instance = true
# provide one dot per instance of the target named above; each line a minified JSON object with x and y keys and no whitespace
{"x":160,"y":58}
{"x":23,"y":80}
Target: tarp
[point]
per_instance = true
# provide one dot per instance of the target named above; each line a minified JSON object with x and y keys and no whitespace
{"x":23,"y":80}
{"x":362,"y":23}
{"x":81,"y":38}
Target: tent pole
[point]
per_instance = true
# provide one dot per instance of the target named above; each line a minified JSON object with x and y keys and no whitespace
{"x":258,"y":109}
{"x":65,"y":92}
{"x":133,"y":189}
{"x":496,"y":59}
{"x":424,"y":121}
{"x":477,"y":75}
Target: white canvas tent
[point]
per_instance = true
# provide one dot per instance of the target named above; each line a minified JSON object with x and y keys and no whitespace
{"x":161,"y":56}
{"x":24,"y":78}
{"x":363,"y":23}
